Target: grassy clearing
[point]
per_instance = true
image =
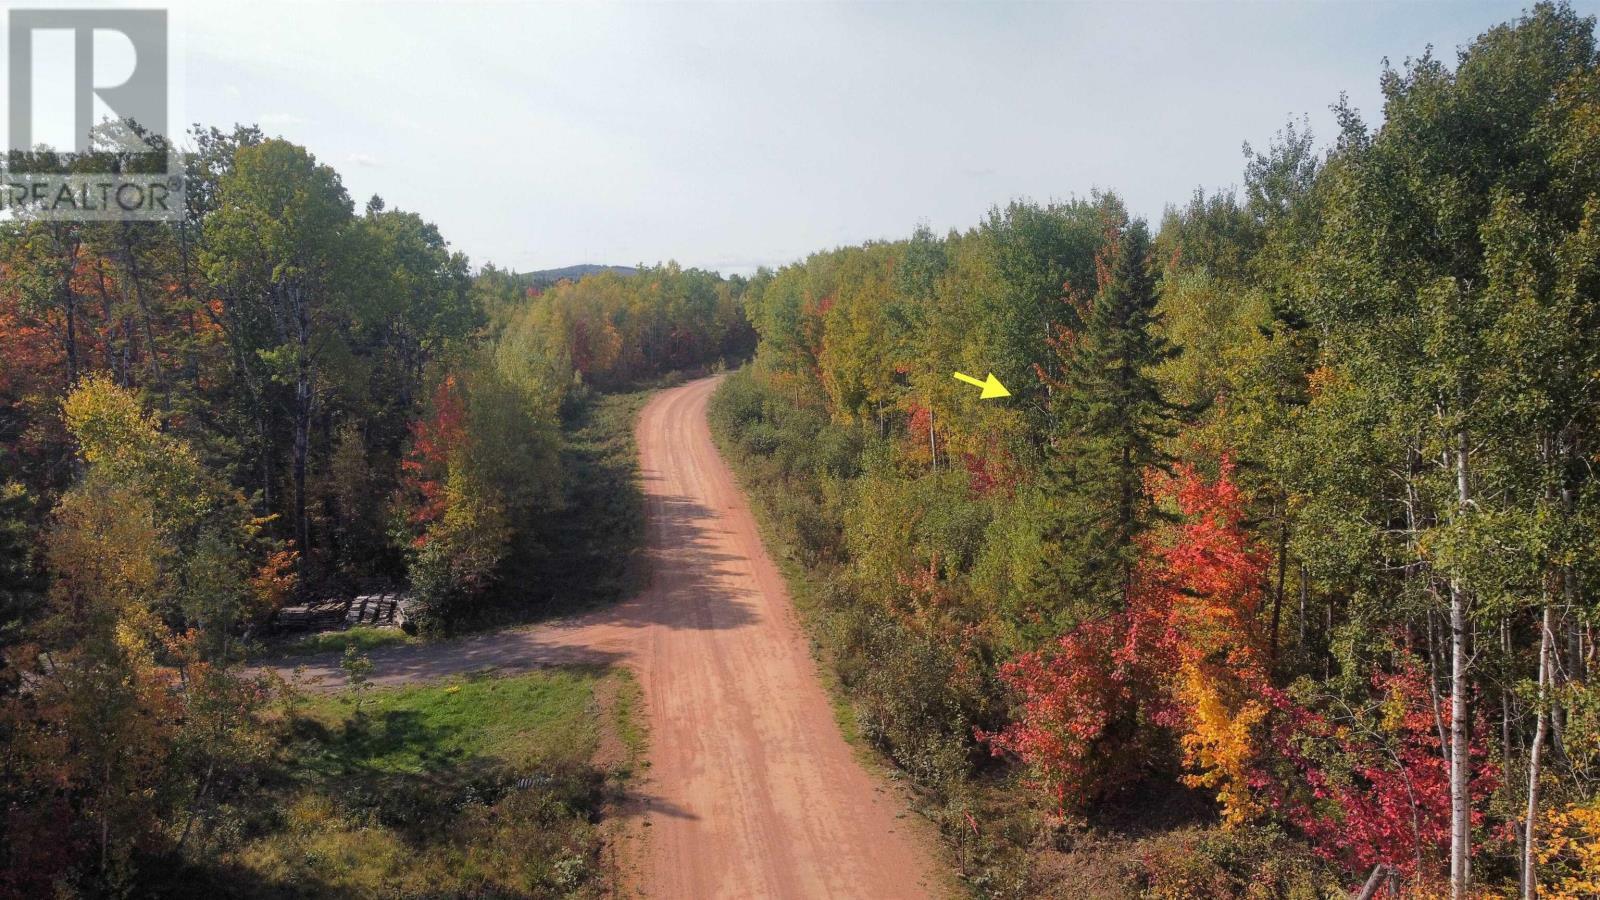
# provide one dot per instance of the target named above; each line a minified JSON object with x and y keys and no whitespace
{"x":365,"y":637}
{"x":477,"y":786}
{"x":522,"y":722}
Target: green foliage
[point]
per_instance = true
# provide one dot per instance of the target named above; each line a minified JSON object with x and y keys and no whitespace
{"x":613,"y":331}
{"x":1112,"y":421}
{"x":357,"y":669}
{"x":253,"y":403}
{"x":574,"y":543}
{"x":1391,"y":345}
{"x":918,"y":700}
{"x":503,"y":514}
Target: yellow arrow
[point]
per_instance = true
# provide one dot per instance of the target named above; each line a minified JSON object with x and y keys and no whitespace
{"x":991,"y":388}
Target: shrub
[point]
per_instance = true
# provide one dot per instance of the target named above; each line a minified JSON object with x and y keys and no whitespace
{"x":919,"y":701}
{"x":737,"y":404}
{"x":760,"y":438}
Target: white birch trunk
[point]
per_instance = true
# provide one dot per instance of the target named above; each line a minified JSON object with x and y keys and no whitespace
{"x":1530,"y":856}
{"x":1460,"y":737}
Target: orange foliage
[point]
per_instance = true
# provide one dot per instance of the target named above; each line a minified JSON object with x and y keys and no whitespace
{"x":1214,"y":572}
{"x":274,"y":582}
{"x":1186,"y":651}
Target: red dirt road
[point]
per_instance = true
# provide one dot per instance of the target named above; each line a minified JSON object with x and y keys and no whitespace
{"x":751,"y":791}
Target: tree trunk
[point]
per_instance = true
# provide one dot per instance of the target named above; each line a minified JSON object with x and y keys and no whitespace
{"x":105,"y":822}
{"x":109,"y":342}
{"x":1374,"y":882}
{"x":1434,"y":665}
{"x":69,"y":305}
{"x":1530,"y":858}
{"x":1460,"y":736}
{"x":67,"y":242}
{"x":1506,"y":651}
{"x":269,"y":492}
{"x":1577,"y":661}
{"x":1327,"y":637}
{"x":1508,"y":707}
{"x":302,"y":442}
{"x":302,"y":423}
{"x":132,"y":262}
{"x":1283,"y":574}
{"x":194,"y":806}
{"x":1305,"y":597}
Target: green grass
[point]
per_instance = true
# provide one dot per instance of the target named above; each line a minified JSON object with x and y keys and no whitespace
{"x":477,"y":786}
{"x":627,"y":714}
{"x":522,"y":721}
{"x":365,"y":637}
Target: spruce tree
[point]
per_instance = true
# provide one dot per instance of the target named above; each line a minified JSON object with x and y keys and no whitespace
{"x":1111,"y":420}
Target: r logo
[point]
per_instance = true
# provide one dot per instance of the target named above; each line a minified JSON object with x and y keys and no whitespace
{"x":142,"y":97}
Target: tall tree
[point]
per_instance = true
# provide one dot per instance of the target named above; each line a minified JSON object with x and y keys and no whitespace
{"x":274,"y":250}
{"x":1111,"y":424}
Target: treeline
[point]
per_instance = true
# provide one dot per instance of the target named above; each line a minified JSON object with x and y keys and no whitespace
{"x":1292,"y":509}
{"x":617,"y":330}
{"x":281,"y":333}
{"x":279,"y":396}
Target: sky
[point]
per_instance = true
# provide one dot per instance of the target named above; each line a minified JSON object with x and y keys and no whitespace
{"x":731,"y":136}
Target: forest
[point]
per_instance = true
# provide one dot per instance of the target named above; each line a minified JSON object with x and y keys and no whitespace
{"x":1277,"y":571}
{"x":280,"y":396}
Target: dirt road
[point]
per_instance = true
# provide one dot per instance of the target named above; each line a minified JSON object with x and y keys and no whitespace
{"x":751,"y":791}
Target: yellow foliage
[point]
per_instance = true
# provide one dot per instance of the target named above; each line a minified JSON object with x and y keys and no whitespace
{"x":114,"y":431}
{"x":1569,"y":851}
{"x":103,"y":549}
{"x":1220,"y":742}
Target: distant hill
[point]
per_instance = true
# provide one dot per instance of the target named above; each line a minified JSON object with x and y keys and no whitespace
{"x":551,"y":276}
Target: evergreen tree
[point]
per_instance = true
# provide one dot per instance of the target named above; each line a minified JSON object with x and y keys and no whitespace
{"x":19,"y":587}
{"x":1111,"y":422}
